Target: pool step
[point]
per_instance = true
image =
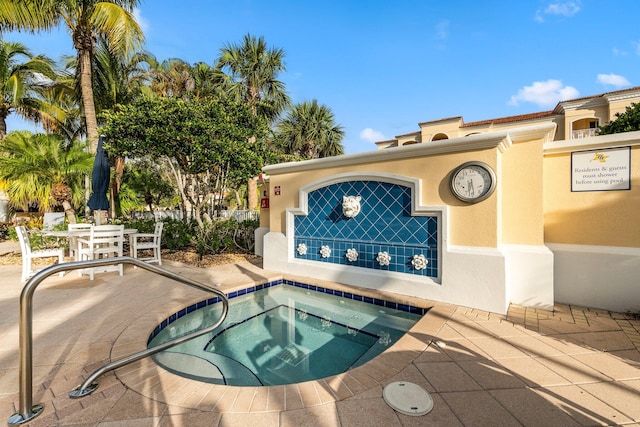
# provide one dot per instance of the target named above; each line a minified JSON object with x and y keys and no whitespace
{"x":209,"y":367}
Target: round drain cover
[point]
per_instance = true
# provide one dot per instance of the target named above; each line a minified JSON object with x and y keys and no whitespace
{"x":408,"y":398}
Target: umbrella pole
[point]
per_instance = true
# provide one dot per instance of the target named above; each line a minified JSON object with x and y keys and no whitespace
{"x":99,"y":217}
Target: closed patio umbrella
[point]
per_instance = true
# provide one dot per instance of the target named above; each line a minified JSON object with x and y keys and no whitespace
{"x":100,"y":180}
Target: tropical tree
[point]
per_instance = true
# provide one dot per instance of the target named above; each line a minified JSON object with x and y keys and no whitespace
{"x":623,"y":122}
{"x":148,"y":181}
{"x":251,"y":71}
{"x":117,"y":79}
{"x":171,"y":78}
{"x":45,"y":170}
{"x":85,"y":20}
{"x":63,"y":98}
{"x":23,"y":85}
{"x":309,"y":130}
{"x":205,"y":142}
{"x":208,"y":81}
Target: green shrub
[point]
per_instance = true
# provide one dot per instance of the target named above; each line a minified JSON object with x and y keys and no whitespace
{"x":226,"y":236}
{"x":176,"y":234}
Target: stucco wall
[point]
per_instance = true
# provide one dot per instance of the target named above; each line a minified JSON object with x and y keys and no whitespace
{"x":522,"y":201}
{"x":604,"y":218}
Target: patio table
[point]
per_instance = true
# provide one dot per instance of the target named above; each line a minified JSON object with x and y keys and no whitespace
{"x":84,"y":233}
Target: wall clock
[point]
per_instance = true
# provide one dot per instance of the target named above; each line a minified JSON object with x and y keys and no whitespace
{"x":473,"y":182}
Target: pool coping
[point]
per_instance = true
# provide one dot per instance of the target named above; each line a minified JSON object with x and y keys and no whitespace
{"x":150,"y":380}
{"x":354,"y":295}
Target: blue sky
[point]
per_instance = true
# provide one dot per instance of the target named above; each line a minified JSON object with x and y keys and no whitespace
{"x":384,"y":66}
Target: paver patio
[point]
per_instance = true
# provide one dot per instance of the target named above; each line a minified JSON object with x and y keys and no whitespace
{"x":574,"y":366}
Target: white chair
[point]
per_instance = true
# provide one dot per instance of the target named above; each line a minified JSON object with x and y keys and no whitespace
{"x":28,"y":255}
{"x":73,"y":240}
{"x":147,"y":241}
{"x":104,"y":241}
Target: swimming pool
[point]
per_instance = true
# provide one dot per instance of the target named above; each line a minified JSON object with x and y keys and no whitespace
{"x":281,"y":333}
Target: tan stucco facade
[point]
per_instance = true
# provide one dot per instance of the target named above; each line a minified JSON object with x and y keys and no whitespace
{"x":534,"y":241}
{"x":603,"y":218}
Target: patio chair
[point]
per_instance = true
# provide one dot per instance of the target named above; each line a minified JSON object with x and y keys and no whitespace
{"x":73,"y":240}
{"x":28,"y":255}
{"x":104,"y":241}
{"x":147,"y":241}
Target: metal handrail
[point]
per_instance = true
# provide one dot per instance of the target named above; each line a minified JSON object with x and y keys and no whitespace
{"x":26,"y":410}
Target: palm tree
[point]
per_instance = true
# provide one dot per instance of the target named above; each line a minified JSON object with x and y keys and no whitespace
{"x":44,"y":170}
{"x":85,"y":20}
{"x":117,"y":79}
{"x":23,"y":85}
{"x":252,"y":71}
{"x":251,"y":77}
{"x":171,"y":78}
{"x":208,"y":81}
{"x":309,"y":130}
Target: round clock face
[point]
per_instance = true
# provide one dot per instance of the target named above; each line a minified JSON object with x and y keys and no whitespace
{"x":473,"y":181}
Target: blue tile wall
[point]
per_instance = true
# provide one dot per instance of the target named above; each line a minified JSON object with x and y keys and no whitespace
{"x":384,"y":224}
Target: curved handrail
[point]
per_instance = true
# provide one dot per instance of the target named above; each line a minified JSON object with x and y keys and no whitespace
{"x":26,"y":409}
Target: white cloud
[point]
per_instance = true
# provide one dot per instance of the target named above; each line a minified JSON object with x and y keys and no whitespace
{"x":442,"y":30}
{"x":371,"y":135}
{"x":613,"y":80}
{"x":567,"y":8}
{"x":618,"y":52}
{"x":539,"y":17}
{"x":544,"y":94}
{"x":142,"y":22}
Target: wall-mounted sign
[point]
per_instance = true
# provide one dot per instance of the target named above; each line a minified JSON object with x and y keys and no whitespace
{"x":276,"y":190}
{"x":601,"y":170}
{"x":264,"y":203}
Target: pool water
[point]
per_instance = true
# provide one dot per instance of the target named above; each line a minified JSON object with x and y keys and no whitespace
{"x":281,"y":335}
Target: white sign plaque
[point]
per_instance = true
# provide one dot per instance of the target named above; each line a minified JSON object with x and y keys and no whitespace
{"x":601,"y":170}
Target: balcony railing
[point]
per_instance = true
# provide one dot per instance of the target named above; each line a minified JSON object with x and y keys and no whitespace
{"x":584,"y":133}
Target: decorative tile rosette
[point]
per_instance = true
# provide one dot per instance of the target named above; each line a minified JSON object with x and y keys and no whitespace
{"x":302,"y":249}
{"x":351,"y":255}
{"x":383,"y":258}
{"x":419,"y":262}
{"x":325,"y":251}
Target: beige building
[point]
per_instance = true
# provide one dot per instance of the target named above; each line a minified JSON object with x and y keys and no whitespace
{"x":531,"y":210}
{"x":574,"y":119}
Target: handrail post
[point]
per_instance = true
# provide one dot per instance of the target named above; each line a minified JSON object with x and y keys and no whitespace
{"x":26,"y":409}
